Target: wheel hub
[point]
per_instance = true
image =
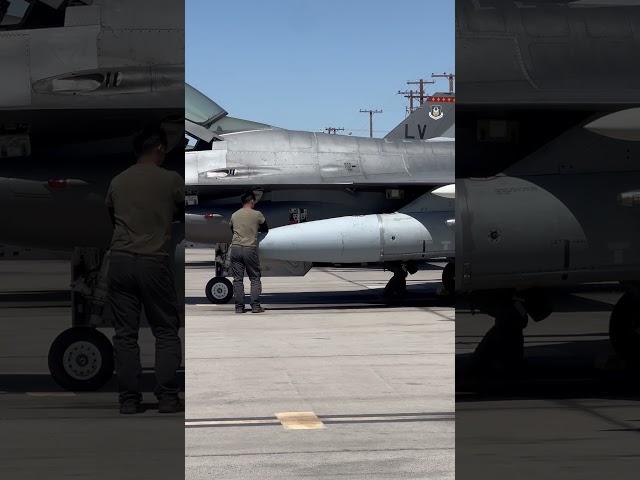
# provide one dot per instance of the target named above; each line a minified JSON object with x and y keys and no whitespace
{"x":220,"y":291}
{"x":82,"y":360}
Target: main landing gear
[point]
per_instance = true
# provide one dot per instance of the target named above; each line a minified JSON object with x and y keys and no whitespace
{"x":502,"y":346}
{"x":397,"y":285}
{"x":449,"y":278}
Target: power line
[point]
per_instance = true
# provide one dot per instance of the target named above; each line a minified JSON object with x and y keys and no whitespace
{"x":411,"y":95}
{"x":449,"y":76}
{"x":370,"y":112}
{"x":421,"y":91}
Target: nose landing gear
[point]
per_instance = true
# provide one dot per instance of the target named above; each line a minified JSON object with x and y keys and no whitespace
{"x":219,"y":290}
{"x":81,"y":359}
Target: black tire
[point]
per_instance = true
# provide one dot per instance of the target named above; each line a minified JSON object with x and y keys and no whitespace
{"x":81,"y":359}
{"x":449,"y":278}
{"x":624,"y":328}
{"x":219,"y":290}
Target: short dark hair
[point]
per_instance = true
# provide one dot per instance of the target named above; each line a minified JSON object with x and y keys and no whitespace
{"x":151,"y":136}
{"x":247,"y":196}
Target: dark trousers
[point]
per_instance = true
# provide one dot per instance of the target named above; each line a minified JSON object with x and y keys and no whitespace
{"x":245,"y":258}
{"x":137,"y":281}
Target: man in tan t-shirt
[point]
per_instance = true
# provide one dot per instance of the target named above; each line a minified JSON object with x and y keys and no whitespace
{"x":143,"y":201}
{"x":246,"y":223}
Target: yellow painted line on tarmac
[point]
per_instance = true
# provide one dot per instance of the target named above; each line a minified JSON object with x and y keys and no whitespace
{"x":299,"y":420}
{"x":225,"y":423}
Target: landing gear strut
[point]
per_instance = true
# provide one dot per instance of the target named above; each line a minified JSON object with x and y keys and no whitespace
{"x":502,"y":347}
{"x":397,"y":285}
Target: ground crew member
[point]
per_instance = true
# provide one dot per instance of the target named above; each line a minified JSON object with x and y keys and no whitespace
{"x":143,"y":202}
{"x":245,"y":224}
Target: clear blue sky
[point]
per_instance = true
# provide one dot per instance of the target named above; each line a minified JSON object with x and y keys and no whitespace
{"x":309,"y":64}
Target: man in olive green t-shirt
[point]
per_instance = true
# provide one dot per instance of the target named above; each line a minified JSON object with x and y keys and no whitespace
{"x":245,"y":224}
{"x":143,"y":201}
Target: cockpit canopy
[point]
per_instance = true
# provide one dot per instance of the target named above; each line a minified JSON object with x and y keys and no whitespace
{"x":200,"y":109}
{"x":31,"y":14}
{"x":205,"y":120}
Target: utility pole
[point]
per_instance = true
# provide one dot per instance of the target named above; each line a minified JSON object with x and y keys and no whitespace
{"x":421,"y":82}
{"x":370,"y":112}
{"x":449,"y":76}
{"x":411,"y":95}
{"x":333,"y":130}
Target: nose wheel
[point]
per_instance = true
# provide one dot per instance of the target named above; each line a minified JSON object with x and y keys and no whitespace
{"x":219,"y":290}
{"x":81,"y":359}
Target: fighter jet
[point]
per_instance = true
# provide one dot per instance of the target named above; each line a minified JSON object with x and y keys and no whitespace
{"x":80,"y":78}
{"x":307,"y":181}
{"x":550,"y":127}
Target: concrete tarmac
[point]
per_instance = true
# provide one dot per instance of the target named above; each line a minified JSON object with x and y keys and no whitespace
{"x":375,"y":380}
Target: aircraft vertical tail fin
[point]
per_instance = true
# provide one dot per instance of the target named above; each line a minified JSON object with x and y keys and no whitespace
{"x":434,"y":118}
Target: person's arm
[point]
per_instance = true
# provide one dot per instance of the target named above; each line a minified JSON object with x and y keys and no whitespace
{"x":262,"y":224}
{"x":109,"y":204}
{"x":178,"y":199}
{"x":178,"y":215}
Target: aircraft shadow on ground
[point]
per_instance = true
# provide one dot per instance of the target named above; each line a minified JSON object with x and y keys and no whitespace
{"x":561,"y":370}
{"x":351,"y":300}
{"x":564,"y":302}
{"x":42,"y":382}
{"x":52,"y":296}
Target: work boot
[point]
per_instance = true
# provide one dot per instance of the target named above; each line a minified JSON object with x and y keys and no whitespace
{"x":169,"y":405}
{"x":129,"y":407}
{"x":257,"y":309}
{"x":240,"y":309}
